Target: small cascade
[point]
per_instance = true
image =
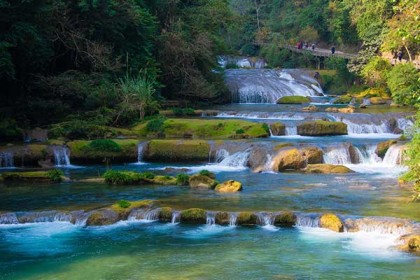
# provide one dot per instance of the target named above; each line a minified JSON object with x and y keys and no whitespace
{"x":6,"y":160}
{"x":307,"y":220}
{"x":291,"y":130}
{"x":43,"y":217}
{"x":380,"y":225}
{"x":8,"y":218}
{"x":145,"y":215}
{"x":176,"y":217}
{"x":394,"y":155}
{"x":210,"y":218}
{"x":140,"y":151}
{"x":80,"y":217}
{"x":221,"y":155}
{"x":294,"y":116}
{"x":337,"y":155}
{"x":239,"y":159}
{"x":265,"y":219}
{"x":61,"y":156}
{"x":232,"y":219}
{"x":367,"y":154}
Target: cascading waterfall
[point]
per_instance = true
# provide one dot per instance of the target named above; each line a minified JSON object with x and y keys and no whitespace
{"x":140,"y":150}
{"x":232,"y":219}
{"x":210,"y":218}
{"x":61,"y":156}
{"x":291,"y":130}
{"x":6,"y":160}
{"x":337,"y":155}
{"x":145,"y":215}
{"x":307,"y":220}
{"x":239,"y":159}
{"x":265,"y":219}
{"x":175,"y":217}
{"x":221,"y":155}
{"x":380,"y":225}
{"x":394,"y":155}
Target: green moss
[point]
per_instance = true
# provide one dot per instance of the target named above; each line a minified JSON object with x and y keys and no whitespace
{"x":164,"y":180}
{"x":286,"y":219}
{"x":293,"y":100}
{"x":177,"y":150}
{"x":165,"y":214}
{"x":103,"y":145}
{"x":343,"y":99}
{"x":55,"y":175}
{"x":123,"y":207}
{"x":322,"y":128}
{"x":193,"y":216}
{"x":207,"y":173}
{"x":51,"y":176}
{"x":246,"y":218}
{"x":182,"y":179}
{"x":124,"y":204}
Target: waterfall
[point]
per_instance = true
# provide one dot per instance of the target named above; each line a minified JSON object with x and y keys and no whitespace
{"x":291,"y":130}
{"x":307,"y":220}
{"x":239,"y":159}
{"x":232,"y":219}
{"x":6,"y":160}
{"x":140,"y":151}
{"x":394,"y":155}
{"x":175,"y":217}
{"x":43,"y":217}
{"x":265,"y":219}
{"x":144,"y":215}
{"x":294,"y":116}
{"x":382,"y":225}
{"x":367,"y":154}
{"x":210,"y":218}
{"x":337,"y":155}
{"x":61,"y":156}
{"x":8,"y":218}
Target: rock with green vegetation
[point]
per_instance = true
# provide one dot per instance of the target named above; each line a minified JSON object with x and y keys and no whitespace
{"x":193,"y":216}
{"x":285,"y":219}
{"x":246,"y":219}
{"x":177,"y":150}
{"x":278,"y":129}
{"x":282,"y":145}
{"x":310,"y":108}
{"x":343,"y":99}
{"x":321,"y":128}
{"x":291,"y":159}
{"x":28,"y":155}
{"x":205,"y":129}
{"x":103,"y":150}
{"x":222,"y":218}
{"x":207,"y":173}
{"x":327,"y":169}
{"x":102,"y":218}
{"x":312,"y":155}
{"x":53,"y":175}
{"x":229,"y":187}
{"x":377,"y":101}
{"x":383,"y":147}
{"x":331,"y":222}
{"x":410,"y":243}
{"x":164,"y":180}
{"x":182,"y":179}
{"x":293,"y":100}
{"x":124,"y":207}
{"x":127,"y":177}
{"x":165,"y":214}
{"x":202,"y":181}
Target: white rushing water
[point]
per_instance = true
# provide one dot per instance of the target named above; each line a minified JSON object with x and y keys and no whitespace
{"x":61,"y":156}
{"x":6,"y":160}
{"x":140,"y":151}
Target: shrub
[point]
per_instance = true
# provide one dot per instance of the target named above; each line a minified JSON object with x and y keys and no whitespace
{"x":156,"y":125}
{"x":183,"y":111}
{"x":404,"y":83}
{"x":147,"y":175}
{"x":55,"y":175}
{"x":240,"y":131}
{"x":124,"y":204}
{"x":117,"y":177}
{"x":80,"y":130}
{"x":9,"y":130}
{"x":205,"y":172}
{"x":182,"y":179}
{"x":266,"y":128}
{"x":105,"y":145}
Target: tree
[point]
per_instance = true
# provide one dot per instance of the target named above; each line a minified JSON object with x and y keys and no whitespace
{"x":404,"y":83}
{"x":376,"y":71}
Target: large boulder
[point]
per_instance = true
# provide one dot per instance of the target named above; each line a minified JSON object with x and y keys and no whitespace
{"x":229,"y":187}
{"x":377,"y":101}
{"x":257,"y":159}
{"x":293,"y":100}
{"x":327,"y":169}
{"x":331,"y":222}
{"x":288,"y":159}
{"x":383,"y":147}
{"x":165,"y":214}
{"x":411,"y":243}
{"x":193,"y":216}
{"x":321,"y":128}
{"x":246,"y":219}
{"x":312,"y":155}
{"x":102,"y":217}
{"x":177,"y":150}
{"x":222,"y":218}
{"x":202,"y":181}
{"x":277,"y":129}
{"x":285,"y":219}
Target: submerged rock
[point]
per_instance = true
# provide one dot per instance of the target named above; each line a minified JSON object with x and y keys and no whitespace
{"x":193,"y":216}
{"x":331,"y":222}
{"x":202,"y":181}
{"x":327,"y":168}
{"x":229,"y":187}
{"x":321,"y":128}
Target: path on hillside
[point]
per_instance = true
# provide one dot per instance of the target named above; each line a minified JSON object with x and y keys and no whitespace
{"x":322,"y":52}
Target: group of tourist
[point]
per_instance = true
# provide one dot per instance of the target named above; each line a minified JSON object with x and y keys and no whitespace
{"x":304,"y":45}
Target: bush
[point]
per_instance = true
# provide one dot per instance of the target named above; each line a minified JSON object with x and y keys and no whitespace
{"x":182,"y":179}
{"x":404,"y":83}
{"x":376,"y":71}
{"x":80,"y":130}
{"x":148,"y":175}
{"x":55,"y":175}
{"x":127,"y":177}
{"x":240,"y":131}
{"x":9,"y":130}
{"x":124,"y":204}
{"x":266,"y":127}
{"x":156,"y":125}
{"x":207,"y":173}
{"x":105,"y":145}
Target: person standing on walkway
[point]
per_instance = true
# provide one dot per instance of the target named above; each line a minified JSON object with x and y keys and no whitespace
{"x":400,"y":55}
{"x":313,"y":46}
{"x":332,"y":50}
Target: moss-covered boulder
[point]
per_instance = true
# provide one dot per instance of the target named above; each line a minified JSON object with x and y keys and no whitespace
{"x":411,"y":243}
{"x":165,"y":214}
{"x":285,"y":219}
{"x":103,"y":150}
{"x":291,"y":159}
{"x":327,"y":169}
{"x":53,"y":175}
{"x":277,"y":129}
{"x":124,"y":207}
{"x":222,"y":218}
{"x":246,"y":219}
{"x":28,"y":155}
{"x":193,"y":216}
{"x":377,"y":101}
{"x":312,"y":155}
{"x":177,"y":150}
{"x":229,"y":187}
{"x":293,"y":100}
{"x":331,"y":222}
{"x":164,"y":180}
{"x":201,"y":181}
{"x":383,"y":147}
{"x":343,"y":99}
{"x":321,"y":128}
{"x":102,"y":218}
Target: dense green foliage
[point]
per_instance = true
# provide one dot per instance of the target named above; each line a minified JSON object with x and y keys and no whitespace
{"x":105,"y":145}
{"x":182,"y":179}
{"x":55,"y":175}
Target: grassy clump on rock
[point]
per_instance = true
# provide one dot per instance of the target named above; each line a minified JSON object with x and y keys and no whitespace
{"x":193,"y":216}
{"x":293,"y":100}
{"x":130,"y":177}
{"x":383,"y":147}
{"x":246,"y":218}
{"x":321,"y":128}
{"x":177,"y":150}
{"x":285,"y":219}
{"x":53,"y":175}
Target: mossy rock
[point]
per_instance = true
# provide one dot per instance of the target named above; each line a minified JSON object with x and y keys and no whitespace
{"x":202,"y":181}
{"x":177,"y":150}
{"x":102,"y":218}
{"x":331,"y":222}
{"x":34,"y":176}
{"x":343,"y":99}
{"x":222,"y":218}
{"x":123,"y":212}
{"x":165,"y":214}
{"x":278,"y":129}
{"x":383,"y":147}
{"x":293,"y":100}
{"x":164,"y":180}
{"x":321,"y":128}
{"x":285,"y":219}
{"x":28,"y":155}
{"x":229,"y":187}
{"x":193,"y":216}
{"x":246,"y":219}
{"x":290,"y":159}
{"x":377,"y":101}
{"x":327,"y":169}
{"x":312,"y":155}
